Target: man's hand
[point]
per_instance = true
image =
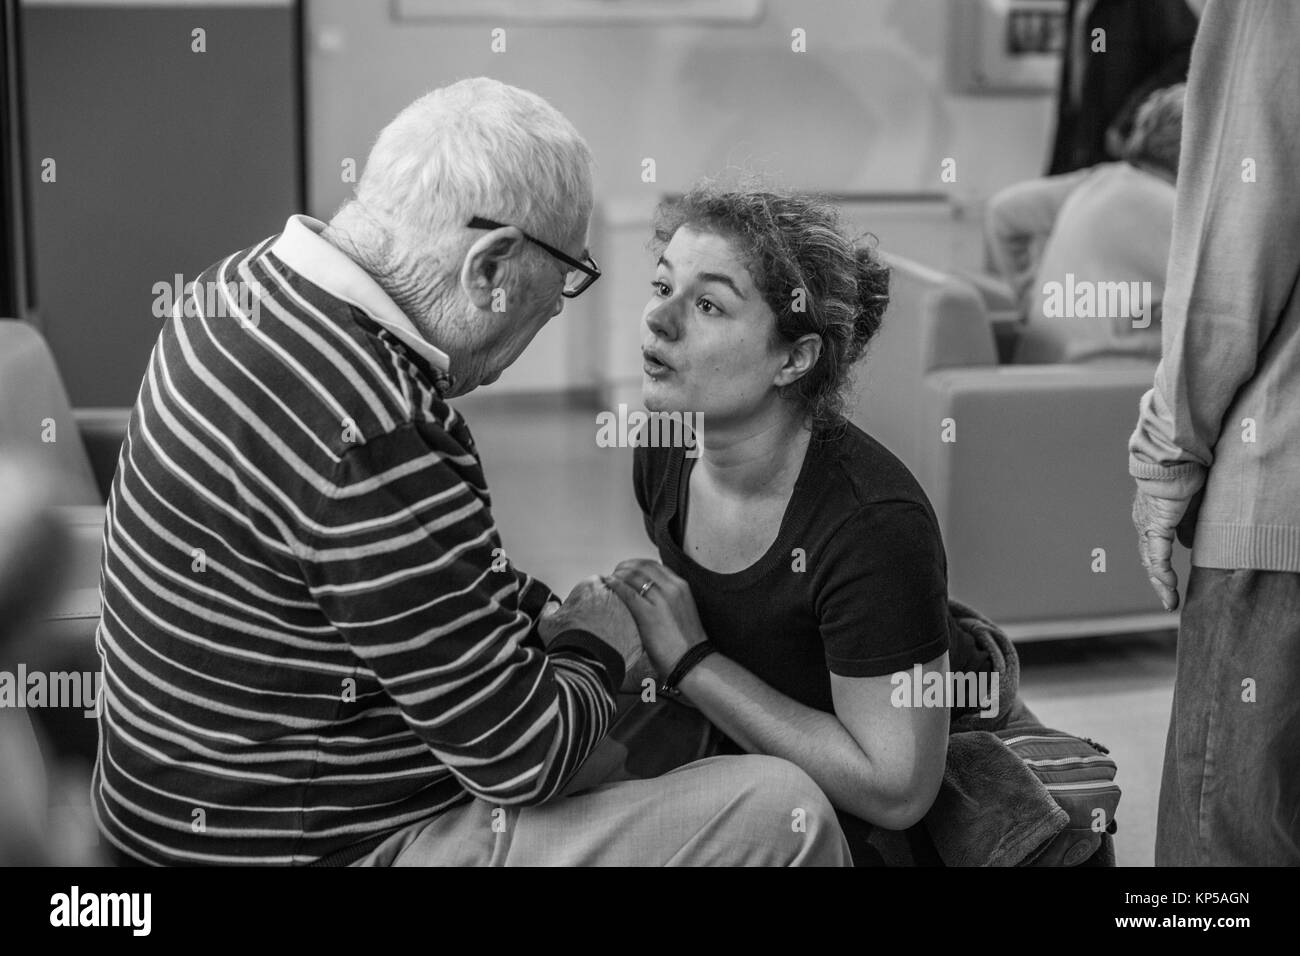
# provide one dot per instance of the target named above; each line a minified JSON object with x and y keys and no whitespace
{"x":1156,"y":520}
{"x":593,"y":608}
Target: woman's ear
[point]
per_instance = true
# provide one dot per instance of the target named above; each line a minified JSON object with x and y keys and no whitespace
{"x":801,"y":356}
{"x":491,"y":265}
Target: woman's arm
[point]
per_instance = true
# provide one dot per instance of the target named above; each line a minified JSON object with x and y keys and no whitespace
{"x":874,"y":760}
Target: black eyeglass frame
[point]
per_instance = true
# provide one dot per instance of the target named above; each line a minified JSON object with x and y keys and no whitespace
{"x":588,"y":268}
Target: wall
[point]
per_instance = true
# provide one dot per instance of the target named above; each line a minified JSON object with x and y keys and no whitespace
{"x":165,"y":160}
{"x":865,"y":109}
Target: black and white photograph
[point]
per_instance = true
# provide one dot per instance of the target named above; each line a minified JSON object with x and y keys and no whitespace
{"x":585,"y":434}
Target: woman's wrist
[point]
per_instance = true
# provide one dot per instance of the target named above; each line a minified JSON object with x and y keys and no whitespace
{"x":685,"y":664}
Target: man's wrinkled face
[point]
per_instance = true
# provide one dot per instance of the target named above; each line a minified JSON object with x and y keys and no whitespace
{"x":529,"y":303}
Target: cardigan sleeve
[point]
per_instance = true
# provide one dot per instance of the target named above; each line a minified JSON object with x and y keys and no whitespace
{"x":1233,"y":264}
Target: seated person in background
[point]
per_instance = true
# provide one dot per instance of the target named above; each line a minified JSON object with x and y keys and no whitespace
{"x":799,"y":547}
{"x":1085,"y":253}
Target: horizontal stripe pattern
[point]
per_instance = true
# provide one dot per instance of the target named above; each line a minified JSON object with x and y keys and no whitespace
{"x":308,"y":635}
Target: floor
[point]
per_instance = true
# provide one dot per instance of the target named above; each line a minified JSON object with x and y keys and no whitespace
{"x":565,"y":510}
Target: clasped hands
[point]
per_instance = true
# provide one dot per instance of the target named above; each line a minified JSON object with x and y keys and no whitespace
{"x":642,"y":610}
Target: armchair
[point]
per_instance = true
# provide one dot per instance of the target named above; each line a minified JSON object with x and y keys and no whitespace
{"x":77,"y":452}
{"x":1026,"y":466}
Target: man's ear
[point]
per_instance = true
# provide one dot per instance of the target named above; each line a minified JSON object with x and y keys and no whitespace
{"x":802,"y":356}
{"x":492,"y":263}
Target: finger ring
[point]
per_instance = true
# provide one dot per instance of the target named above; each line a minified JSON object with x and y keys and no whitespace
{"x":646,"y":587}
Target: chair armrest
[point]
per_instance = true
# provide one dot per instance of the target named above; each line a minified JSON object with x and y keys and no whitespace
{"x":1023,"y":421}
{"x":67,"y":632}
{"x":1082,"y":379}
{"x":62,"y":634}
{"x":1034,"y":425}
{"x":993,"y":292}
{"x":935,"y":320}
{"x":1004,"y":312}
{"x":957,"y":333}
{"x":85,"y":524}
{"x":102,"y":432}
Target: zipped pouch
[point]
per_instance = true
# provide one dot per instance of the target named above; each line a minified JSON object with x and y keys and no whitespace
{"x":1080,"y":776}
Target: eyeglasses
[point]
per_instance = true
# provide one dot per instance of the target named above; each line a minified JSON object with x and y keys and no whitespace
{"x":580,"y":274}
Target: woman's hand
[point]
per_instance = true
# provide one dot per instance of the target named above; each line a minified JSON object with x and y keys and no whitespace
{"x":664,"y":612}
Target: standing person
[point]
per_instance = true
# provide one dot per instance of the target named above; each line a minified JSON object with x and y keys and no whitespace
{"x":1217,"y":449}
{"x":1148,"y":45}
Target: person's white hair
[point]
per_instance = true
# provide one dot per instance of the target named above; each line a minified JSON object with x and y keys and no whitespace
{"x":479,"y":147}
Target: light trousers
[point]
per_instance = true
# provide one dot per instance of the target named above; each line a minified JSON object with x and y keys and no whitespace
{"x":720,"y":811}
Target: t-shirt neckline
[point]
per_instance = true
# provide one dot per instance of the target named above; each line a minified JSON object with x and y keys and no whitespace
{"x":793,"y":520}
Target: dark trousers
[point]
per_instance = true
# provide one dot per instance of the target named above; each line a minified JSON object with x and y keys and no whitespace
{"x":1230,"y":795}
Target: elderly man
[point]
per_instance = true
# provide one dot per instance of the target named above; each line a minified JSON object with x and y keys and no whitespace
{"x":1216,"y":452}
{"x":314,"y":649}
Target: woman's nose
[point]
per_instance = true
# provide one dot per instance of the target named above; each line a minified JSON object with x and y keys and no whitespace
{"x":661,"y":317}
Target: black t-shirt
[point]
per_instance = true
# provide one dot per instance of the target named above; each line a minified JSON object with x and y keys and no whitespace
{"x":855,"y":583}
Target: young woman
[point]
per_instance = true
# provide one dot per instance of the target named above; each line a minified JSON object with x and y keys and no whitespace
{"x":797,"y":550}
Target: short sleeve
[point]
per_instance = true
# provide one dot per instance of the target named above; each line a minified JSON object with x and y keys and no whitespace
{"x":640,"y":487}
{"x":882,"y":591}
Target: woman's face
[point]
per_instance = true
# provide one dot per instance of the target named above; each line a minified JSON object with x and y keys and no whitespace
{"x":709,"y":335}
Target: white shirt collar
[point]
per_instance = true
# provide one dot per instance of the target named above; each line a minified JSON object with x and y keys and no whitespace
{"x":302,"y":249}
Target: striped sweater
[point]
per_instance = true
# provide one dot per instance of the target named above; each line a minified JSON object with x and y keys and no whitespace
{"x":310,"y":634}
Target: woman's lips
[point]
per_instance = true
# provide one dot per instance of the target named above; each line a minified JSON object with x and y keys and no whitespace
{"x":653,"y":365}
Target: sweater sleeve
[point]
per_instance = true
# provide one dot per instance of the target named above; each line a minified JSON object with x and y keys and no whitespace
{"x":533,"y":596}
{"x":1233,"y":263}
{"x":399,"y":555}
{"x":1017,"y":224}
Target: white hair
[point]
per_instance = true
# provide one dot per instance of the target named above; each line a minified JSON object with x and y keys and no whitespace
{"x":478,"y":148}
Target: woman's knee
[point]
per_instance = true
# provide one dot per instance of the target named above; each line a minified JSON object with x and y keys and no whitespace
{"x":774,"y":786}
{"x":773,"y":813}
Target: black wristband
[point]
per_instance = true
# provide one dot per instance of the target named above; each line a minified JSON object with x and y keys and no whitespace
{"x":688,"y":661}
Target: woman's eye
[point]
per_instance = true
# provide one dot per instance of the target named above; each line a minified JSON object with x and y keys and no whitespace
{"x":660,"y":287}
{"x":707,"y":307}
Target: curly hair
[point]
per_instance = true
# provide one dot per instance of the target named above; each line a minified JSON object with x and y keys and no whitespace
{"x":813,"y":277}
